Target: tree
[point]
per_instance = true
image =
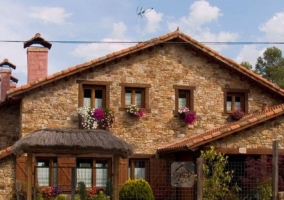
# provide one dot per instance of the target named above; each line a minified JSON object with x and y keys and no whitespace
{"x":246,"y":65}
{"x":271,"y":66}
{"x":217,"y":181}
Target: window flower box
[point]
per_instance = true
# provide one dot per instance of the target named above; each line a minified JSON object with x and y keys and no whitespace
{"x":237,"y":114}
{"x":188,"y":116}
{"x":96,"y":118}
{"x":136,"y":111}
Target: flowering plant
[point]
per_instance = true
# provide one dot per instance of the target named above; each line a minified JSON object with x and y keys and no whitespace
{"x":237,"y":114}
{"x":49,"y":192}
{"x":189,"y":117}
{"x":92,"y":118}
{"x":94,"y":191}
{"x":136,"y":111}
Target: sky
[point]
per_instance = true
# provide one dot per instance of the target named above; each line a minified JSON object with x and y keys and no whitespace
{"x":131,"y":21}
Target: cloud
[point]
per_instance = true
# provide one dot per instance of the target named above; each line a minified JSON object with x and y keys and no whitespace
{"x":118,"y":30}
{"x":153,"y":21}
{"x":54,"y":15}
{"x":274,"y":28}
{"x":249,"y":53}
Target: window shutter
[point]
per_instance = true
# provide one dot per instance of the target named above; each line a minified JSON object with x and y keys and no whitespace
{"x":65,"y":165}
{"x":21,"y":169}
{"x":123,"y":172}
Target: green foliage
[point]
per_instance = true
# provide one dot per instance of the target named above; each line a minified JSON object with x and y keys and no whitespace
{"x":82,"y":191}
{"x":137,"y":189}
{"x":100,"y":196}
{"x":217,"y":180}
{"x":108,"y":190}
{"x":246,"y":65}
{"x":61,"y":197}
{"x":77,"y":198}
{"x":265,"y":189}
{"x":39,"y":196}
{"x":271,"y":66}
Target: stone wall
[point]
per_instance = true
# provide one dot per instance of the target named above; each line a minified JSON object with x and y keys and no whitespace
{"x":9,"y":125}
{"x":260,"y":136}
{"x":7,"y":178}
{"x":55,"y":105}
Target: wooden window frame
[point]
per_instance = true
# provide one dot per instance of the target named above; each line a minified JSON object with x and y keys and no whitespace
{"x":93,"y":85}
{"x":131,"y":165}
{"x":93,"y":162}
{"x":51,"y":161}
{"x":189,"y":90}
{"x":243,"y":93}
{"x":133,"y":86}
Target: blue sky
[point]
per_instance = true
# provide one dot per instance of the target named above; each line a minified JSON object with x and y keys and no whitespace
{"x":118,"y":20}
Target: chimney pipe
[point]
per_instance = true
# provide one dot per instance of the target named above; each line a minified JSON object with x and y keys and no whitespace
{"x":37,"y":57}
{"x":5,"y":79}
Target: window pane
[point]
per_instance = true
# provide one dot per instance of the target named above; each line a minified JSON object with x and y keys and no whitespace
{"x":181,"y":100}
{"x":139,"y":169}
{"x":138,"y":98}
{"x":229,"y":103}
{"x":101,"y":173}
{"x":237,"y":102}
{"x":98,"y":99}
{"x":43,"y":173}
{"x":55,"y":174}
{"x":87,"y":97}
{"x":84,"y":172}
{"x":84,"y":175}
{"x":128,"y":97}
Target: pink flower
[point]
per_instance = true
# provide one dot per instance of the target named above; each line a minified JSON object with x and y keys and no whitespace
{"x":99,"y":114}
{"x":189,"y":118}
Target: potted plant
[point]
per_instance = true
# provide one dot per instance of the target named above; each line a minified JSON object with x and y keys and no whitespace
{"x":136,"y":111}
{"x":188,"y":116}
{"x":237,"y":114}
{"x":96,"y":118}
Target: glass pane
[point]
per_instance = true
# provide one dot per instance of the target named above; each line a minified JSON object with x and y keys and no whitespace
{"x":139,"y":170}
{"x":181,"y":100}
{"x":229,"y":103}
{"x":98,"y":99}
{"x":237,"y":103}
{"x":55,"y":174}
{"x":87,"y":97}
{"x":101,"y":173}
{"x":43,"y":173}
{"x":128,"y":97}
{"x":138,"y":97}
{"x":84,"y":175}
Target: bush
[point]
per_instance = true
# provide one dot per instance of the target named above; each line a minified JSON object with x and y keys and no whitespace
{"x":82,"y":191}
{"x":137,"y":189}
{"x":62,"y":197}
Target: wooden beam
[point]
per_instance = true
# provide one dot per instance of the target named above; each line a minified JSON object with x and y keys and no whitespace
{"x":29,"y":174}
{"x":256,"y":151}
{"x":115,"y":178}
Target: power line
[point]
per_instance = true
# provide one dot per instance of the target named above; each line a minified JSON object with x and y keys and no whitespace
{"x":136,"y":42}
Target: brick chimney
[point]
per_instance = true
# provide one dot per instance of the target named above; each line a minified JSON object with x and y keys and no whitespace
{"x":6,"y":80}
{"x":37,"y":57}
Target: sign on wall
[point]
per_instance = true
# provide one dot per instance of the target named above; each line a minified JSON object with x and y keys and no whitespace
{"x":182,"y":174}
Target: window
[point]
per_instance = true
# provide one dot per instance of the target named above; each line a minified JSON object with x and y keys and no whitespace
{"x":138,"y":169}
{"x":183,"y":97}
{"x":47,"y":171}
{"x":135,"y":94}
{"x":94,"y":94}
{"x":235,"y":99}
{"x":93,"y":172}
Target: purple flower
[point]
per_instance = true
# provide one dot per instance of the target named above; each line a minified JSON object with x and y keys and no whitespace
{"x":189,"y":118}
{"x":99,"y":114}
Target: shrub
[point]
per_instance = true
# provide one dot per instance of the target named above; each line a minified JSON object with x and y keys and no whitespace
{"x":137,"y":189}
{"x":82,"y":191}
{"x":62,"y":197}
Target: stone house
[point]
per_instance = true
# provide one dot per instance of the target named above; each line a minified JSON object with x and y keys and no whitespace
{"x":161,"y":75}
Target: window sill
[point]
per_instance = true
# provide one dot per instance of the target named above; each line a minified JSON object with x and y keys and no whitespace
{"x":148,"y":110}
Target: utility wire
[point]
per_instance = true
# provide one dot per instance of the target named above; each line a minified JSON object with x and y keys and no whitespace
{"x":131,"y":42}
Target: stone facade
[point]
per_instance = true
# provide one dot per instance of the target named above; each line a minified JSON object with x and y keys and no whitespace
{"x":55,"y":105}
{"x":7,"y":178}
{"x":9,"y":125}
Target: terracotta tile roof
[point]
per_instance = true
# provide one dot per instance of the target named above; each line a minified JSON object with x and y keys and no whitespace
{"x":140,"y":46}
{"x":247,"y":121}
{"x":5,"y":152}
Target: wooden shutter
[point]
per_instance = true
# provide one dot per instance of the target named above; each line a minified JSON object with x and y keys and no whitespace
{"x":65,"y":165}
{"x":21,"y":169}
{"x":123,"y":172}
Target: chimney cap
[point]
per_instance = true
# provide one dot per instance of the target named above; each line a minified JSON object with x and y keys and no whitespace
{"x":6,"y":62}
{"x":37,"y":39}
